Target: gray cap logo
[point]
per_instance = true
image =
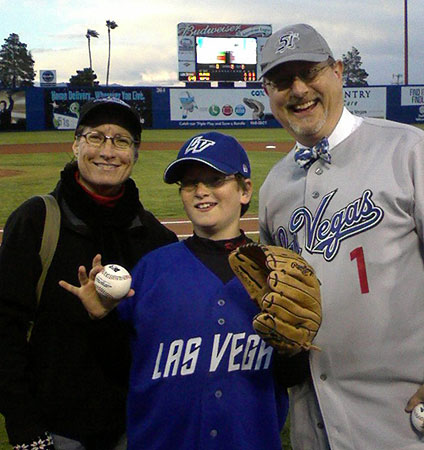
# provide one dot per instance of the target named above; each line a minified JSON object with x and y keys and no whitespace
{"x":287,"y":41}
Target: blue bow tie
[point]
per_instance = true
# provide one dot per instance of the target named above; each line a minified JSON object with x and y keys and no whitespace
{"x":305,"y":156}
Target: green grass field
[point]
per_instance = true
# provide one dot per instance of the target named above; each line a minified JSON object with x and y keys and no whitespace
{"x":40,"y":172}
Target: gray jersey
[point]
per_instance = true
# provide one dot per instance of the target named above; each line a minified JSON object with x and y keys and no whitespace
{"x":359,"y":222}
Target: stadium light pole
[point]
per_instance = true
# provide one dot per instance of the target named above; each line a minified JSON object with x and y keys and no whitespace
{"x":405,"y":16}
{"x":111,"y":25}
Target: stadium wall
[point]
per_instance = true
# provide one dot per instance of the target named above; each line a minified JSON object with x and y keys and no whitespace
{"x":197,"y":105}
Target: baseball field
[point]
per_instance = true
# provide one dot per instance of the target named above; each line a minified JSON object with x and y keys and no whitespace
{"x":30,"y":164}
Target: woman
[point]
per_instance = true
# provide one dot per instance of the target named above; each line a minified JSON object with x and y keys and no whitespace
{"x":68,"y":384}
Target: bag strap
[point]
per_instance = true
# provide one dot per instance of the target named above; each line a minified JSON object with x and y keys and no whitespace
{"x":48,"y":245}
{"x":49,"y":239}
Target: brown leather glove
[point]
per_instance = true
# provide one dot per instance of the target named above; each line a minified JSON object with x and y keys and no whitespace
{"x":287,"y":291}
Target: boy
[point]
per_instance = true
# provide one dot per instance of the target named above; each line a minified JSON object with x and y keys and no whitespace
{"x":200,"y":377}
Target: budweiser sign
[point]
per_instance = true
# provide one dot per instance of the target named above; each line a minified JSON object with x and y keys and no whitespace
{"x":223,"y":29}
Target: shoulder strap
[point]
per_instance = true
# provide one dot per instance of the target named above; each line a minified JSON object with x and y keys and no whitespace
{"x":49,"y":239}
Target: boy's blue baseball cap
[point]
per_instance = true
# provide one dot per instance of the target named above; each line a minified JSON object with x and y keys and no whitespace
{"x":219,"y":151}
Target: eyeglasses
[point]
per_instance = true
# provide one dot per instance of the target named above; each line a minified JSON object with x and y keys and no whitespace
{"x":97,"y":139}
{"x":284,"y":81}
{"x":213,"y":182}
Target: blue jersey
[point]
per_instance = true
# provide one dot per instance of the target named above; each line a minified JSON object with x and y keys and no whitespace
{"x":201,"y":378}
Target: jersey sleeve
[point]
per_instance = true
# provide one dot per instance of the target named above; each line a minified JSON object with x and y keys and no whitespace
{"x":416,"y":166}
{"x":264,"y":232}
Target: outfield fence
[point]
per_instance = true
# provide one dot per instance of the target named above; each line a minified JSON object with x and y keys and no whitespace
{"x":197,"y":105}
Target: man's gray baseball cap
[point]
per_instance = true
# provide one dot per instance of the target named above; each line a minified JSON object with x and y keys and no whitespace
{"x":298,"y":42}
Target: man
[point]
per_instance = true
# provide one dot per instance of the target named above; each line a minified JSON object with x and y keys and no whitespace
{"x":350,"y":198}
{"x":66,"y":388}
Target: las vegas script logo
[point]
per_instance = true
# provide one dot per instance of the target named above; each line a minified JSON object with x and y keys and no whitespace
{"x":325,"y":235}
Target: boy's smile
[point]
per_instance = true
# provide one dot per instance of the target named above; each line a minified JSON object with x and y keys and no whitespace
{"x":213,"y":201}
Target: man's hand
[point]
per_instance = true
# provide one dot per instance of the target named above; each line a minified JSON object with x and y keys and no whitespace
{"x":418,"y":397}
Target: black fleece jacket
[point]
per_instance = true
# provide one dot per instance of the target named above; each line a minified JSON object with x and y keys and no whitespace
{"x":71,"y":378}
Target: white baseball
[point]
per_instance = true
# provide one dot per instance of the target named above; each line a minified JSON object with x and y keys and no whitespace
{"x":113,"y":282}
{"x":417,"y":417}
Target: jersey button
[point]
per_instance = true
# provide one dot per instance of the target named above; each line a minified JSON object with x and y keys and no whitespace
{"x":213,"y":433}
{"x":221,"y":302}
{"x":221,"y":321}
{"x":319,"y":171}
{"x":320,"y":425}
{"x":315,"y":194}
{"x":323,"y":376}
{"x":218,"y":394}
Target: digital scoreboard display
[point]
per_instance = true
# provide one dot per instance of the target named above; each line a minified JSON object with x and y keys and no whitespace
{"x":227,"y":52}
{"x":226,"y":59}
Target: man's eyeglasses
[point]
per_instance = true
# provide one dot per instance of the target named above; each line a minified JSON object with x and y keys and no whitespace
{"x":213,"y":182}
{"x":284,"y":81}
{"x":97,"y":139}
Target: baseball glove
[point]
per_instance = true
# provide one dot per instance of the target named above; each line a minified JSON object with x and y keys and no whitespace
{"x":287,"y":291}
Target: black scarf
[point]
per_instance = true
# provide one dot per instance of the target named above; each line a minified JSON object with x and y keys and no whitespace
{"x":92,"y":213}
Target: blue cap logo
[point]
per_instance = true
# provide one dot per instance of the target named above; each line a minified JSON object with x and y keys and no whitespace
{"x":198,"y":144}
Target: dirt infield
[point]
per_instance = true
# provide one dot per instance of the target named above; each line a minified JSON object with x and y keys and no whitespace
{"x":9,"y":173}
{"x":183,"y":228}
{"x":171,"y":145}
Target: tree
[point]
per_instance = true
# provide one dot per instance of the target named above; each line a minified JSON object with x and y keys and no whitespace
{"x":89,"y":35}
{"x":111,"y":25}
{"x":353,"y":75}
{"x":84,"y":77}
{"x":16,"y":63}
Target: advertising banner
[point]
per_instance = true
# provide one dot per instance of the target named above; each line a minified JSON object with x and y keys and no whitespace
{"x":366,"y":101}
{"x":224,"y":29}
{"x":412,"y":97}
{"x":219,"y":107}
{"x":62,"y":105}
{"x":12,"y":110}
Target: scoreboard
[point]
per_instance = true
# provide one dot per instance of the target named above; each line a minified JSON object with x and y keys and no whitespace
{"x":226,"y":59}
{"x":220,"y":52}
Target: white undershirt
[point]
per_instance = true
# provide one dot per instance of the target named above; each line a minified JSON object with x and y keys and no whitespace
{"x":347,"y":124}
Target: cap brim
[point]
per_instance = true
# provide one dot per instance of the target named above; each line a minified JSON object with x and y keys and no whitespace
{"x":173,"y":173}
{"x":124,"y":112}
{"x":309,"y":57}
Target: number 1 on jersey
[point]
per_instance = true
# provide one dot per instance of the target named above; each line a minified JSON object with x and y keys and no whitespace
{"x":358,"y":254}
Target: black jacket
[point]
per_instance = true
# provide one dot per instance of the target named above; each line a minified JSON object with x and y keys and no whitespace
{"x":71,"y":378}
